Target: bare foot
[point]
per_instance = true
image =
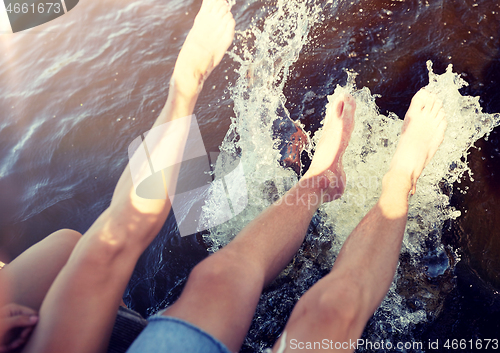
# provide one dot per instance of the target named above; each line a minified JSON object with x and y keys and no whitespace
{"x":422,"y":133}
{"x":327,"y":161}
{"x":205,"y":46}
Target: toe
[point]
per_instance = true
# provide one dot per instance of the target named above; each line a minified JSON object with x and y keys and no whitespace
{"x":436,"y":107}
{"x":420,"y":98}
{"x":442,"y":128}
{"x":222,"y":8}
{"x":339,"y":109}
{"x":429,"y":108}
{"x":350,"y":104}
{"x":207,"y":5}
{"x":441,"y":115}
{"x":438,"y":137}
{"x":343,"y":105}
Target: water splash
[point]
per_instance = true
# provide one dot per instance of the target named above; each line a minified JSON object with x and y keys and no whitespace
{"x":412,"y":298}
{"x":265,"y":60}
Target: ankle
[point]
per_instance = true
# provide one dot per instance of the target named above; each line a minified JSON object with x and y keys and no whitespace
{"x":187,"y":77}
{"x":396,"y":186}
{"x":186,"y":82}
{"x":324,"y":187}
{"x":397,"y":180}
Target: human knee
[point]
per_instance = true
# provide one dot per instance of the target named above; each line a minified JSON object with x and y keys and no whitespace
{"x":227,"y":268}
{"x":106,"y":248}
{"x":59,"y":244}
{"x":338,"y":305}
{"x":65,"y":237}
{"x":104,"y":251}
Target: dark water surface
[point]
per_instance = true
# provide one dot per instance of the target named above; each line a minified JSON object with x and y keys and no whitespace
{"x":76,"y":91}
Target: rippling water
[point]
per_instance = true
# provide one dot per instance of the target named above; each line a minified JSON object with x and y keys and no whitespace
{"x":76,"y":91}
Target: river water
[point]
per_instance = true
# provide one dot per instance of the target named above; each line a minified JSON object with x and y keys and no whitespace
{"x":75,"y":92}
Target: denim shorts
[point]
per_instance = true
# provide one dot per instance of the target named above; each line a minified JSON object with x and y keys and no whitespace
{"x":172,"y":335}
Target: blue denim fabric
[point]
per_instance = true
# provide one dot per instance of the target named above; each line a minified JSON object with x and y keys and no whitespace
{"x":171,"y":335}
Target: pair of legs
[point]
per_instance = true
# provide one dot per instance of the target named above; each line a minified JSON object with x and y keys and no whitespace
{"x":78,"y":311}
{"x":222,"y":292}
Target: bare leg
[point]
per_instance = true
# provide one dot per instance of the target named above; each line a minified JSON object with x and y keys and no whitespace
{"x":32,"y":273}
{"x":222,"y":292}
{"x":339,"y":305}
{"x":78,"y":312}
